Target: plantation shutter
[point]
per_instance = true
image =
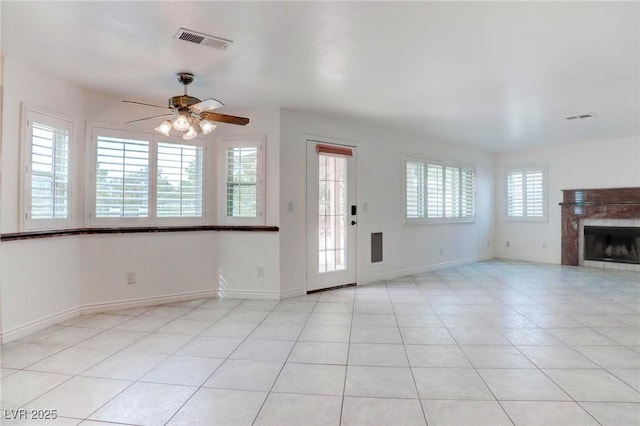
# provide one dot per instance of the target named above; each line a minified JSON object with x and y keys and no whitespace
{"x":468,"y":193}
{"x":122,"y":177}
{"x":435,"y":190}
{"x":534,"y":193}
{"x":242,"y":181}
{"x":49,"y":168}
{"x":452,"y":192}
{"x":415,"y":189}
{"x":515,"y":194}
{"x":179,"y":180}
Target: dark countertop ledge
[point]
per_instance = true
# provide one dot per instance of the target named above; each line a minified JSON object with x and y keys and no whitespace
{"x":31,"y":235}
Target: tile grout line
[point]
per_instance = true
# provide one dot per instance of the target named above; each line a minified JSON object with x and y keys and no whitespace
{"x":346,"y":368}
{"x":404,"y":348}
{"x":476,"y":370}
{"x":284,"y":363}
{"x":198,"y":388}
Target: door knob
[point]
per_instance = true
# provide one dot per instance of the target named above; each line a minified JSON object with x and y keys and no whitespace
{"x":353,"y":222}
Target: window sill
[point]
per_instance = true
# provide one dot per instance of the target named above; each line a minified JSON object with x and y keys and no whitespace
{"x":527,"y":219}
{"x":130,"y":230}
{"x":439,"y":222}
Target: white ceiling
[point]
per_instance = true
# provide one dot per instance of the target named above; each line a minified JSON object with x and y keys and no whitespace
{"x":500,"y":75}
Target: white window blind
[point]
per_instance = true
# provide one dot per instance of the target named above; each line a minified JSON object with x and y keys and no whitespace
{"x":452,"y":192}
{"x":122,"y":178}
{"x":49,"y":172}
{"x":526,"y":193}
{"x":242,"y":181}
{"x":243,"y":167}
{"x":468,"y":193}
{"x":439,"y":192}
{"x":45,"y":161}
{"x":535,"y":193}
{"x":435,"y":191}
{"x":143,"y":179}
{"x":179,"y":180}
{"x":415,"y":189}
{"x":515,"y":194}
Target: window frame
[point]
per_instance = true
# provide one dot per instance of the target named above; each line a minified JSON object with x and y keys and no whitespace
{"x":94,"y":130}
{"x":425,"y":219}
{"x":53,"y":119}
{"x":524,"y":168}
{"x":258,"y":141}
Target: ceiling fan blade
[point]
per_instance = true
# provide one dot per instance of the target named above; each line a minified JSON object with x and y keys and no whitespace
{"x":148,"y":118}
{"x":142,"y":103}
{"x":223,"y":118}
{"x":206,"y":105}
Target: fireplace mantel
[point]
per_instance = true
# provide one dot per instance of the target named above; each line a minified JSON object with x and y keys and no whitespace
{"x":606,"y":203}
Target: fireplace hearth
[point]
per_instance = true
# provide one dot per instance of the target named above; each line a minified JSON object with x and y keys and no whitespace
{"x":619,"y":244}
{"x":586,"y":208}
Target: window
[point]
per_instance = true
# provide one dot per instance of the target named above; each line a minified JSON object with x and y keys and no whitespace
{"x":243,"y":193}
{"x":438,"y":192}
{"x":122,"y":177}
{"x":145,"y":179}
{"x":526,"y":197}
{"x":180,"y":180}
{"x":46,"y":188}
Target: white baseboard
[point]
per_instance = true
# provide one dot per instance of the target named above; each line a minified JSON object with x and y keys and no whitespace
{"x":249,"y":294}
{"x":422,"y":269}
{"x":39,"y":324}
{"x":93,"y":308}
{"x":294,"y":292}
{"x":527,"y":258}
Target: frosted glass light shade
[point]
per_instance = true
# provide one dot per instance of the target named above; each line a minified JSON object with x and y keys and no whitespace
{"x":207,"y":126}
{"x":181,"y":123}
{"x":189,"y":134}
{"x":164,"y":128}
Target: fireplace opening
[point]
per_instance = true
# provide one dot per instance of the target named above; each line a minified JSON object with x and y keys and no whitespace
{"x":618,"y":244}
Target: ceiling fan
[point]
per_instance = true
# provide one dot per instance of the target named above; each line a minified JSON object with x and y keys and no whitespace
{"x":193,"y":115}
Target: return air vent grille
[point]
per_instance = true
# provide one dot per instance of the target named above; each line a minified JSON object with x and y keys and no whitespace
{"x":376,"y":247}
{"x":202,"y":39}
{"x":581,"y":116}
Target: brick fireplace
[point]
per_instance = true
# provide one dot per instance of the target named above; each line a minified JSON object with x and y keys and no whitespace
{"x":590,"y":206}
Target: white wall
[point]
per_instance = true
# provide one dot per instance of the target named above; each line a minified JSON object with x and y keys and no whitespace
{"x":239,"y":255}
{"x":165,"y":264}
{"x":407,"y":248}
{"x":24,"y":84}
{"x":40,"y":283}
{"x":605,"y":164}
{"x":39,"y":278}
{"x":46,"y":280}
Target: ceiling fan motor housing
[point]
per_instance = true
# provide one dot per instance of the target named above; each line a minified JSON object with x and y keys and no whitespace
{"x":182,"y":102}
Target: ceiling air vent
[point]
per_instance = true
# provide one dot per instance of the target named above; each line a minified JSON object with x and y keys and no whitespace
{"x":581,"y":116}
{"x":202,"y":39}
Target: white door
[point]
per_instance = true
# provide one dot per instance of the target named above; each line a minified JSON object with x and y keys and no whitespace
{"x":331,"y":215}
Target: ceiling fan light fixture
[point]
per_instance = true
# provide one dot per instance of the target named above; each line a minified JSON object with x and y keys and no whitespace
{"x":207,"y":126}
{"x":190,"y":133}
{"x":164,"y":128}
{"x":181,"y":123}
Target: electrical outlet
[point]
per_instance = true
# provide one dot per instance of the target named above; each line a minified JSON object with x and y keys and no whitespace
{"x":131,"y":278}
{"x":508,"y":244}
{"x":290,"y":207}
{"x":488,"y":244}
{"x":441,"y":250}
{"x":260,"y":271}
{"x":544,"y":246}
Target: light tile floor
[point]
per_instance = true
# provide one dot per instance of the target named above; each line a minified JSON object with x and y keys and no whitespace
{"x":490,"y":343}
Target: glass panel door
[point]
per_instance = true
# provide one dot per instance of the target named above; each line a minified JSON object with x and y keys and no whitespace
{"x":332,"y":210}
{"x":331,"y":216}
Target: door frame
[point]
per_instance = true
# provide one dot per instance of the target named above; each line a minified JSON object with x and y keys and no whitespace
{"x":340,"y":142}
